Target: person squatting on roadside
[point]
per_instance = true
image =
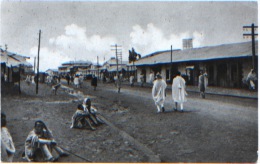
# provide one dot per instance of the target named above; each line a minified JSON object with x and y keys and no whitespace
{"x":7,"y":144}
{"x":92,"y":112}
{"x":158,"y":93}
{"x":81,"y":118}
{"x":178,"y":91}
{"x":40,"y":142}
{"x":203,"y":82}
{"x":252,"y":79}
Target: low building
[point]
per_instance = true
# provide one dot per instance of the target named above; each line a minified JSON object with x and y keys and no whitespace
{"x":227,"y":65}
{"x":13,"y":64}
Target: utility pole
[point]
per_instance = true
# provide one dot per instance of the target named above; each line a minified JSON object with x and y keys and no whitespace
{"x":34,"y":64}
{"x":118,"y":55}
{"x":37,"y":77}
{"x":98,"y":67}
{"x":171,"y":67}
{"x":251,"y":35}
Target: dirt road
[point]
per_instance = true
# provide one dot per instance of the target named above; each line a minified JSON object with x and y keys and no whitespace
{"x":211,"y":130}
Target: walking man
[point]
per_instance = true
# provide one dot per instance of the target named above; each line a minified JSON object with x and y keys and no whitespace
{"x":158,"y":93}
{"x":203,"y":82}
{"x":178,"y":91}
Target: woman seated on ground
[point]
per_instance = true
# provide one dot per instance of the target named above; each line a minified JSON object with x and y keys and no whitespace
{"x":92,"y":112}
{"x":81,"y":118}
{"x":40,"y":142}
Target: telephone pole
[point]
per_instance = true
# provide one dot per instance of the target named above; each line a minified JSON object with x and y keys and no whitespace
{"x":37,"y":77}
{"x":118,"y":55}
{"x":251,"y":35}
{"x":98,"y":67}
{"x":171,"y":76}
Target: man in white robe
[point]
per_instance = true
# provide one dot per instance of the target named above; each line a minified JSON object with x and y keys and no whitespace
{"x":7,"y":144}
{"x":178,"y":91}
{"x":158,"y":93}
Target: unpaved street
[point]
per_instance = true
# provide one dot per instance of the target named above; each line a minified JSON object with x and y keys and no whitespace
{"x":217,"y":129}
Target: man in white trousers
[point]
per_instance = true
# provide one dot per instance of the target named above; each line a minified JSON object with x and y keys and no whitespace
{"x":178,"y":91}
{"x":158,"y":93}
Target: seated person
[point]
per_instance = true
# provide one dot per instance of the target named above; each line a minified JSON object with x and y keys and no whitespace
{"x":92,"y":112}
{"x":40,"y":142}
{"x":7,"y":145}
{"x":81,"y":118}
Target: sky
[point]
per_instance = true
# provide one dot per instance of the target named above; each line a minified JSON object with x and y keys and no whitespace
{"x":87,"y":30}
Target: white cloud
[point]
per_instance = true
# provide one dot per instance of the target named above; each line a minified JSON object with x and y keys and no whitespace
{"x":153,"y":39}
{"x":74,"y":44}
{"x":48,"y":59}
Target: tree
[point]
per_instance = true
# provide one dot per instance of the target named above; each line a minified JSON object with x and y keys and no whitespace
{"x":133,"y":56}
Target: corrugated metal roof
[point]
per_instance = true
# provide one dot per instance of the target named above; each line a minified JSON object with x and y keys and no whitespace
{"x":114,"y":68}
{"x":235,"y":50}
{"x":12,"y":59}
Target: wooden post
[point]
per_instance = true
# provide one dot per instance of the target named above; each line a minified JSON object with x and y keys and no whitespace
{"x":37,"y":77}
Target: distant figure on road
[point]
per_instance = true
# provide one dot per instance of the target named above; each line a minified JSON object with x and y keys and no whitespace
{"x":55,"y":87}
{"x":68,"y":79}
{"x":151,"y":76}
{"x":76,"y":81}
{"x":7,"y":144}
{"x":94,"y":82}
{"x":178,"y":91}
{"x":28,"y":79}
{"x":39,"y":144}
{"x":142,"y":79}
{"x":252,"y":79}
{"x":131,"y":80}
{"x":33,"y":82}
{"x":158,"y":93}
{"x":81,"y":80}
{"x":118,"y":82}
{"x":81,"y":118}
{"x":203,"y":82}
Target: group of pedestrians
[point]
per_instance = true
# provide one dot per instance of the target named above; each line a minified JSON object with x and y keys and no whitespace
{"x":179,"y":94}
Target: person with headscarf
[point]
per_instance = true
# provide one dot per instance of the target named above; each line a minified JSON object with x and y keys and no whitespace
{"x":81,"y":118}
{"x":40,"y":142}
{"x":92,"y":112}
{"x":158,"y":93}
{"x":203,"y":82}
{"x":178,"y":91}
{"x":7,"y":144}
